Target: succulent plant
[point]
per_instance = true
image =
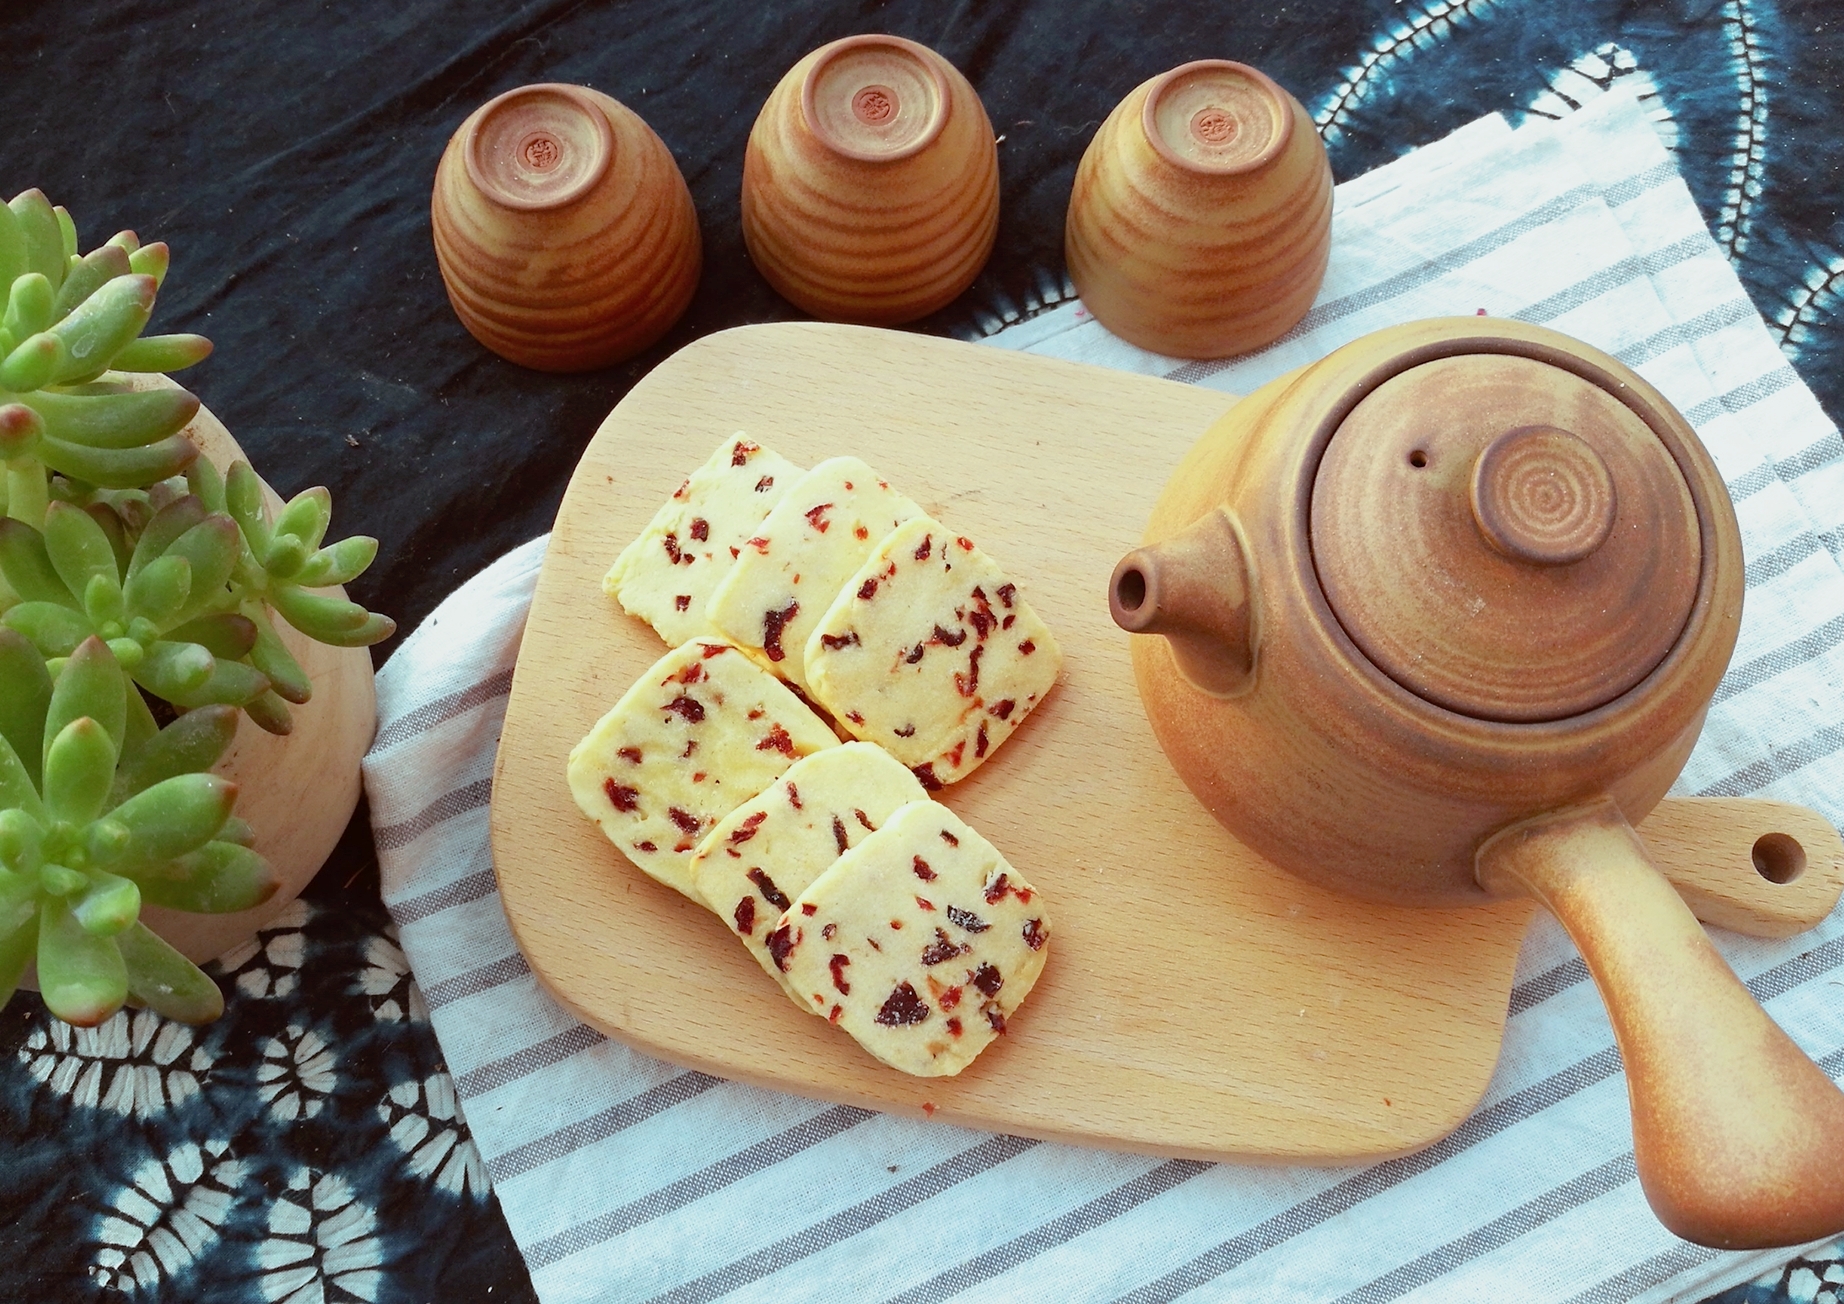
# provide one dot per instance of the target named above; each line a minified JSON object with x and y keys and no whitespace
{"x":120,"y":583}
{"x":100,"y":812}
{"x":68,"y":320}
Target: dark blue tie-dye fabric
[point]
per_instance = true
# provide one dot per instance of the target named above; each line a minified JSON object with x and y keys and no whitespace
{"x":307,"y":1146}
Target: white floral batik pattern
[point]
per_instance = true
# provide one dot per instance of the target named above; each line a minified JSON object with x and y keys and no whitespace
{"x":426,"y":1124}
{"x":268,"y":965}
{"x":386,"y":980}
{"x":166,"y":1217}
{"x":296,"y":1074}
{"x":322,"y":1246}
{"x":135,"y":1063}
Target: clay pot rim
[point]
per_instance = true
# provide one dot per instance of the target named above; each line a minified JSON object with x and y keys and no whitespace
{"x":489,"y":189}
{"x":1283,"y":107}
{"x":924,"y":57}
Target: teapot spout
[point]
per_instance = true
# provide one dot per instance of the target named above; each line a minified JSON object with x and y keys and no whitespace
{"x":1196,"y":590}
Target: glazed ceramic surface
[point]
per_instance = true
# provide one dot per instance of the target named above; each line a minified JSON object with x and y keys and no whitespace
{"x":1446,"y":610}
{"x":565,"y":234}
{"x":871,"y":182}
{"x":1201,"y":218}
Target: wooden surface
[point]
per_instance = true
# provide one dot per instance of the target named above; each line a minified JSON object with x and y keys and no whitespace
{"x":1196,"y":1001}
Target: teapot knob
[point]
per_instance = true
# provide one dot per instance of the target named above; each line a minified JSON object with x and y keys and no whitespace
{"x":1544,"y":496}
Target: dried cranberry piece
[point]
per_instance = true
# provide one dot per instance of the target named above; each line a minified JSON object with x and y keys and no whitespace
{"x":979,"y":742}
{"x":794,"y":796}
{"x":1002,"y":709}
{"x":700,"y":529}
{"x":864,"y":819}
{"x":741,"y":452}
{"x":860,"y":533}
{"x":988,"y":979}
{"x":620,"y":796}
{"x":688,"y":823}
{"x":995,"y":1019}
{"x":714,"y":649}
{"x":915,"y":654}
{"x":1005,"y":592}
{"x":925,"y":775}
{"x":902,"y":1008}
{"x":828,"y":931}
{"x":1035,"y":934}
{"x":646,"y":846}
{"x":808,"y":908}
{"x":955,"y":639}
{"x":954,"y":1027}
{"x":1027,"y":647}
{"x":779,"y":943}
{"x":691,"y":674}
{"x":837,"y":1010}
{"x":907,"y":731}
{"x":671,"y":543}
{"x":968,"y":686}
{"x":949,"y":838}
{"x":833,"y":642}
{"x":772,"y":624}
{"x":838,"y":835}
{"x":922,"y":548}
{"x":943,"y":948}
{"x":747,"y":829}
{"x":868,"y":589}
{"x":949,"y":999}
{"x":766,"y":483}
{"x":682,"y":602}
{"x":777,"y":741}
{"x":923,"y":872}
{"x":967,"y":920}
{"x":689,"y":707}
{"x":817,"y":518}
{"x":770,"y":893}
{"x":746,"y":916}
{"x":837,"y":965}
{"x":630,"y":754}
{"x":995,"y":889}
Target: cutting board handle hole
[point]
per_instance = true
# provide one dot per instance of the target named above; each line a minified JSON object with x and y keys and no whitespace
{"x":1778,"y":857}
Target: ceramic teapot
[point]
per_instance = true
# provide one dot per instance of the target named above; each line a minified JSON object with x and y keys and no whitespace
{"x":1442,"y":615}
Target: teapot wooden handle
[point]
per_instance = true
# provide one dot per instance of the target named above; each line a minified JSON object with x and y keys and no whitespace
{"x":1736,"y":1133}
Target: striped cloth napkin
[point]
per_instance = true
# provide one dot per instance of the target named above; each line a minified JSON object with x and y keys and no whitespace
{"x":624,"y":1178}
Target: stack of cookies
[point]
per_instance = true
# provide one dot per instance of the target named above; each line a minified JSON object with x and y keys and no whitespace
{"x":789,"y":593}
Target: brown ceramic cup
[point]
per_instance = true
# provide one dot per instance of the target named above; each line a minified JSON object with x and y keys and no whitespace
{"x":565,"y":234}
{"x":871,"y":182}
{"x":1201,"y":218}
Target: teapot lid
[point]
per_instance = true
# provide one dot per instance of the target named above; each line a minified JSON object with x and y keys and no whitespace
{"x":1504,"y":537}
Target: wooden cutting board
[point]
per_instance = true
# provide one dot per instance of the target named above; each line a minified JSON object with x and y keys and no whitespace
{"x":1197,"y":1001}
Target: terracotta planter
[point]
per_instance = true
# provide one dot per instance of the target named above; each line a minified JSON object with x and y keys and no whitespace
{"x":565,"y":234}
{"x":1201,"y":218}
{"x":871,"y":182}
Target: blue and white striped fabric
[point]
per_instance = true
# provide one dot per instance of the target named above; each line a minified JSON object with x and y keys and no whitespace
{"x":624,"y":1178}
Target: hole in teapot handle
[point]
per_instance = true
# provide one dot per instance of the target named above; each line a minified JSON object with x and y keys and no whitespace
{"x":1778,"y":857}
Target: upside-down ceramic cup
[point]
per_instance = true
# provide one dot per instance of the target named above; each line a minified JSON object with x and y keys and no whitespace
{"x":871,"y":182}
{"x":565,"y":234}
{"x":1201,"y":218}
{"x":1442,"y":615}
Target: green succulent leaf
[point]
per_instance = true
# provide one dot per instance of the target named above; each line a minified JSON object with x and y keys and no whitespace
{"x":60,"y":880}
{"x":339,"y":563}
{"x":165,"y":981}
{"x":171,"y":818}
{"x":319,"y":615}
{"x":306,"y":516}
{"x":67,"y":231}
{"x":231,"y":683}
{"x":238,"y":831}
{"x":167,"y":525}
{"x":203,"y":479}
{"x":12,"y":251}
{"x":18,"y":802}
{"x":108,"y":906}
{"x":91,"y":686}
{"x":126,"y":241}
{"x":32,"y":363}
{"x":150,"y":260}
{"x":284,"y":556}
{"x":104,"y":841}
{"x":174,"y":670}
{"x":243,"y":498}
{"x":271,"y":656}
{"x":44,"y":238}
{"x":103,"y":324}
{"x":191,"y":744}
{"x":212,"y":546}
{"x":79,"y":550}
{"x":270,"y":713}
{"x":130,"y":420}
{"x":162,"y":353}
{"x":141,"y":728}
{"x":119,"y":468}
{"x":79,"y":771}
{"x":26,"y":695}
{"x":21,"y":429}
{"x":16,"y":948}
{"x":159,"y":590}
{"x":223,"y":634}
{"x":102,"y":603}
{"x":219,"y":878}
{"x":374,"y":629}
{"x":88,"y":275}
{"x":81,"y":976}
{"x":18,"y":898}
{"x":54,"y":629}
{"x":28,"y":305}
{"x":28,"y":567}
